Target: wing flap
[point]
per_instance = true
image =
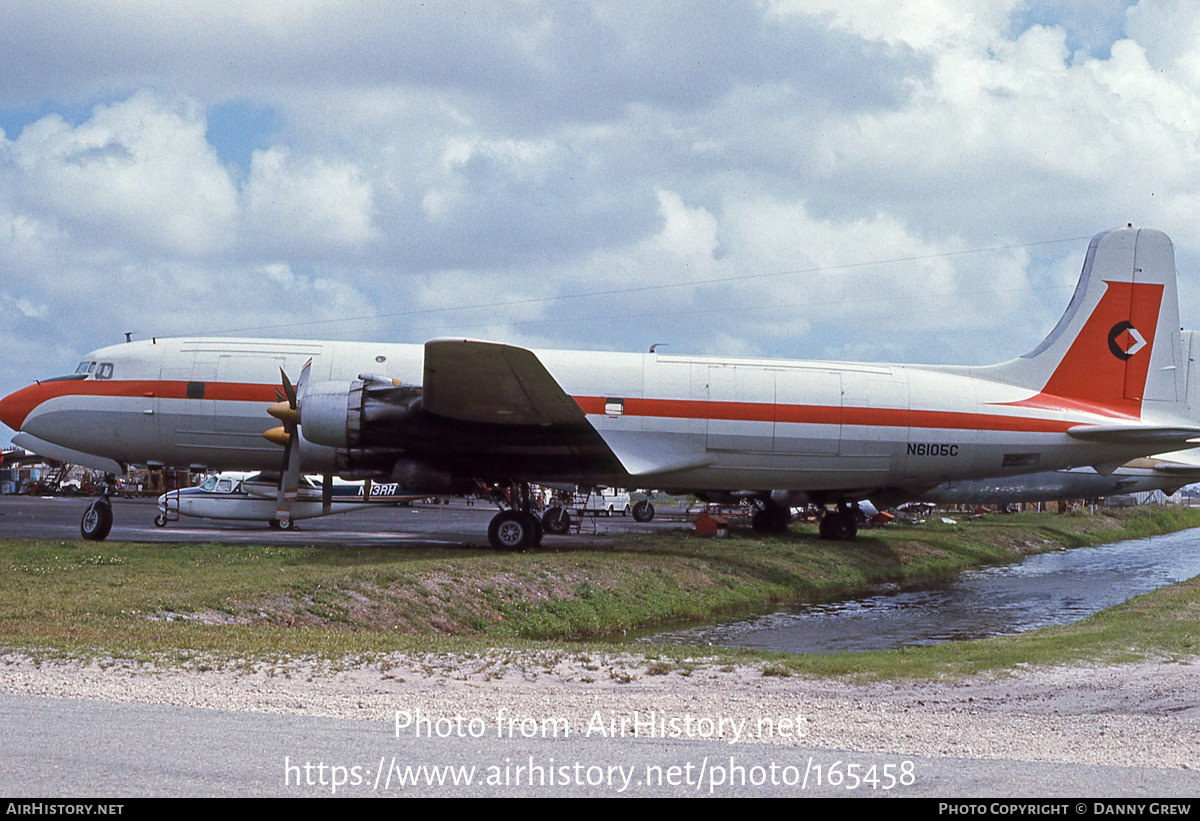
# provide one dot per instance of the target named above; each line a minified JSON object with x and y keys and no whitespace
{"x":642,"y":456}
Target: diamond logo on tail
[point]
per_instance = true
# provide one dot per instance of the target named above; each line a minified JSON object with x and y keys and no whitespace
{"x":1124,"y":340}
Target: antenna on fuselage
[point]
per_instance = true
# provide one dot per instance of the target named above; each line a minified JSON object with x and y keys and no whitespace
{"x":129,"y":336}
{"x":658,"y":345}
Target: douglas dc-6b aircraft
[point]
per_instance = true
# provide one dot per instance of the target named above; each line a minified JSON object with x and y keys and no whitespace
{"x":1106,"y":386}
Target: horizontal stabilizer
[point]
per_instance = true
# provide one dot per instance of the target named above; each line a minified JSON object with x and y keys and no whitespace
{"x":1149,"y":435}
{"x":496,"y":384}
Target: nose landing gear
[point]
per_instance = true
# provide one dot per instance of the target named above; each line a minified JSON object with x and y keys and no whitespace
{"x":98,"y":518}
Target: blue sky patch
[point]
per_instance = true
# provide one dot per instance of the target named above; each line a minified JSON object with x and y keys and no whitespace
{"x":239,"y":128}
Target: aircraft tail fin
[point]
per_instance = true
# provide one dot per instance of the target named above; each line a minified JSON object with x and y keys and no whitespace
{"x":1117,"y":350}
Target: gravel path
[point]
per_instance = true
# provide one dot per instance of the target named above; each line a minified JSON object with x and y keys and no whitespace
{"x":1137,"y":715}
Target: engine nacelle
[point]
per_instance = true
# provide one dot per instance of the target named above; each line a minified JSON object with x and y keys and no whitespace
{"x":318,"y":458}
{"x":341,"y":414}
{"x":416,"y":476}
{"x":331,"y":413}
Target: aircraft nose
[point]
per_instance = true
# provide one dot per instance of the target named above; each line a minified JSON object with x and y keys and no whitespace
{"x":15,"y":407}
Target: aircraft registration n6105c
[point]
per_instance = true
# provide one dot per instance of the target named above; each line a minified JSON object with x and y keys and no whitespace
{"x":1107,"y":385}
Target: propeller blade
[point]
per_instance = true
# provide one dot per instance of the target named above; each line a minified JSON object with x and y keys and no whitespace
{"x":289,"y":480}
{"x":289,"y":437}
{"x":326,"y":494}
{"x":288,"y":390}
{"x":302,"y":382}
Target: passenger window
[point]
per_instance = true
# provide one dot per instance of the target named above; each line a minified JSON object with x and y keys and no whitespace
{"x":105,"y":371}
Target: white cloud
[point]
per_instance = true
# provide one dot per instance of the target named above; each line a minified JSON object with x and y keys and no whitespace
{"x":923,"y":24}
{"x":307,"y":203}
{"x":690,"y":234}
{"x":1167,"y":30}
{"x":468,"y":166}
{"x":421,"y":157}
{"x":138,"y":173}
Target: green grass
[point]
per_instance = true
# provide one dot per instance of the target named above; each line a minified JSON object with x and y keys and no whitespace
{"x":177,"y":603}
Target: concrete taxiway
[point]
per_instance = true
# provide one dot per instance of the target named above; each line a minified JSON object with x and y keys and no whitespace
{"x":453,"y":524}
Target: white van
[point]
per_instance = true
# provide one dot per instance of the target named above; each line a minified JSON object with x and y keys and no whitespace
{"x":603,"y":501}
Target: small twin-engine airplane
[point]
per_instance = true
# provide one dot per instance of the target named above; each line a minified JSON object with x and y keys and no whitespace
{"x":1106,"y":386}
{"x":251,"y":497}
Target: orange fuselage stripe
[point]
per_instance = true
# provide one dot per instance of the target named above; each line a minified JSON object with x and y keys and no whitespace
{"x":18,"y":405}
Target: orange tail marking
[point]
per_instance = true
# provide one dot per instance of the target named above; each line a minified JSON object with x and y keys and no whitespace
{"x":1105,"y":369}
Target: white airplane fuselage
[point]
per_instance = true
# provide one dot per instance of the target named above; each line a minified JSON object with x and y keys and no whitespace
{"x":1108,"y":384}
{"x":761,"y":424}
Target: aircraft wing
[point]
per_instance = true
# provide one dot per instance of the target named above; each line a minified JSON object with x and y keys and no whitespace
{"x":488,"y":382}
{"x":1178,"y":469}
{"x":491,"y":383}
{"x":1178,"y":463}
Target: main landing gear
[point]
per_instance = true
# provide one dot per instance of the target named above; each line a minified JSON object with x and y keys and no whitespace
{"x":557,"y":520}
{"x":840,"y":525}
{"x":516,"y":528}
{"x":643,"y":511}
{"x":771,"y":518}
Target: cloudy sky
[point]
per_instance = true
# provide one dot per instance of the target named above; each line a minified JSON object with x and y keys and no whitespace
{"x":840,"y":179}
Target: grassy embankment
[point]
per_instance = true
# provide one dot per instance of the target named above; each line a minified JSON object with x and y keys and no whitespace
{"x":173,"y":602}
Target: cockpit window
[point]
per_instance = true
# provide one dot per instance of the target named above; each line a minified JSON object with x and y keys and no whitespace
{"x":105,"y":371}
{"x":85,"y":367}
{"x":225,"y":486}
{"x":208,"y":484}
